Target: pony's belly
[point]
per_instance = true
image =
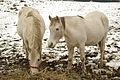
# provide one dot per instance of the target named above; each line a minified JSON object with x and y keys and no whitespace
{"x":93,"y":41}
{"x":94,"y":37}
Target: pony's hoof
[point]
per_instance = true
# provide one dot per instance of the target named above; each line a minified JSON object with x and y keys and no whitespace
{"x":101,"y":64}
{"x":68,"y":70}
{"x":34,"y":71}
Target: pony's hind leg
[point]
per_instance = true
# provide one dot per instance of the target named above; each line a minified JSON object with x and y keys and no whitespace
{"x":102,"y":47}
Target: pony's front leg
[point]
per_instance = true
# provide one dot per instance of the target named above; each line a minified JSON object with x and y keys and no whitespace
{"x":82,"y":56}
{"x":25,"y":49}
{"x":70,"y":56}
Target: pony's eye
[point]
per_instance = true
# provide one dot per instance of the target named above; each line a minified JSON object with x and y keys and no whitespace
{"x":57,"y":29}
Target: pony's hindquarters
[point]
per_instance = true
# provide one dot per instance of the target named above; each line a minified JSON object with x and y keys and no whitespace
{"x":100,"y":26}
{"x":101,"y":44}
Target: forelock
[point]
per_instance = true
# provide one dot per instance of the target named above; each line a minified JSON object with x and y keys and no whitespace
{"x":53,"y":21}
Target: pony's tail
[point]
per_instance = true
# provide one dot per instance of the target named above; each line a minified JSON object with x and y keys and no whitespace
{"x":105,"y":22}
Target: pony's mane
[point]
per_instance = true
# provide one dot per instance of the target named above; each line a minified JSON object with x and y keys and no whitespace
{"x":36,"y":29}
{"x":63,"y":21}
{"x":80,"y":16}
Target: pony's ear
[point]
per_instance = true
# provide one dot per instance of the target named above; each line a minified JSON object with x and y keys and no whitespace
{"x":57,"y":17}
{"x":50,"y":17}
{"x":19,"y":13}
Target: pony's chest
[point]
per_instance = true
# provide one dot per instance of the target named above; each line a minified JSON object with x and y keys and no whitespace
{"x":70,"y":40}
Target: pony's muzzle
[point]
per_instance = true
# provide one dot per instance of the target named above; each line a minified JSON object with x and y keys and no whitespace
{"x":50,"y":45}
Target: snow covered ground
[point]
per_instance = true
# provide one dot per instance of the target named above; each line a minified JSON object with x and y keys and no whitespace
{"x":11,"y":44}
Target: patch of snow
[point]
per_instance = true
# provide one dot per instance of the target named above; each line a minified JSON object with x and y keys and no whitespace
{"x":114,"y":63}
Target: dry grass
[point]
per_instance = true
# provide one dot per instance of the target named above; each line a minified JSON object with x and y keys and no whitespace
{"x":42,"y":75}
{"x":47,"y":72}
{"x":20,"y":71}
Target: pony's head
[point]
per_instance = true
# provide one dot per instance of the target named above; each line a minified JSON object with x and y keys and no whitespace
{"x":55,"y":31}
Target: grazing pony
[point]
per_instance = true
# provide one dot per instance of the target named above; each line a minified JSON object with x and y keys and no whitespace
{"x":31,"y":28}
{"x":79,"y":32}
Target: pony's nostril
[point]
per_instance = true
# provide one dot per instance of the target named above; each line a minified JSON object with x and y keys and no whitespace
{"x":51,"y":44}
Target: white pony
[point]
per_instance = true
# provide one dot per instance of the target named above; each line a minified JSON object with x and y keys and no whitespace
{"x":79,"y":32}
{"x":31,"y":28}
